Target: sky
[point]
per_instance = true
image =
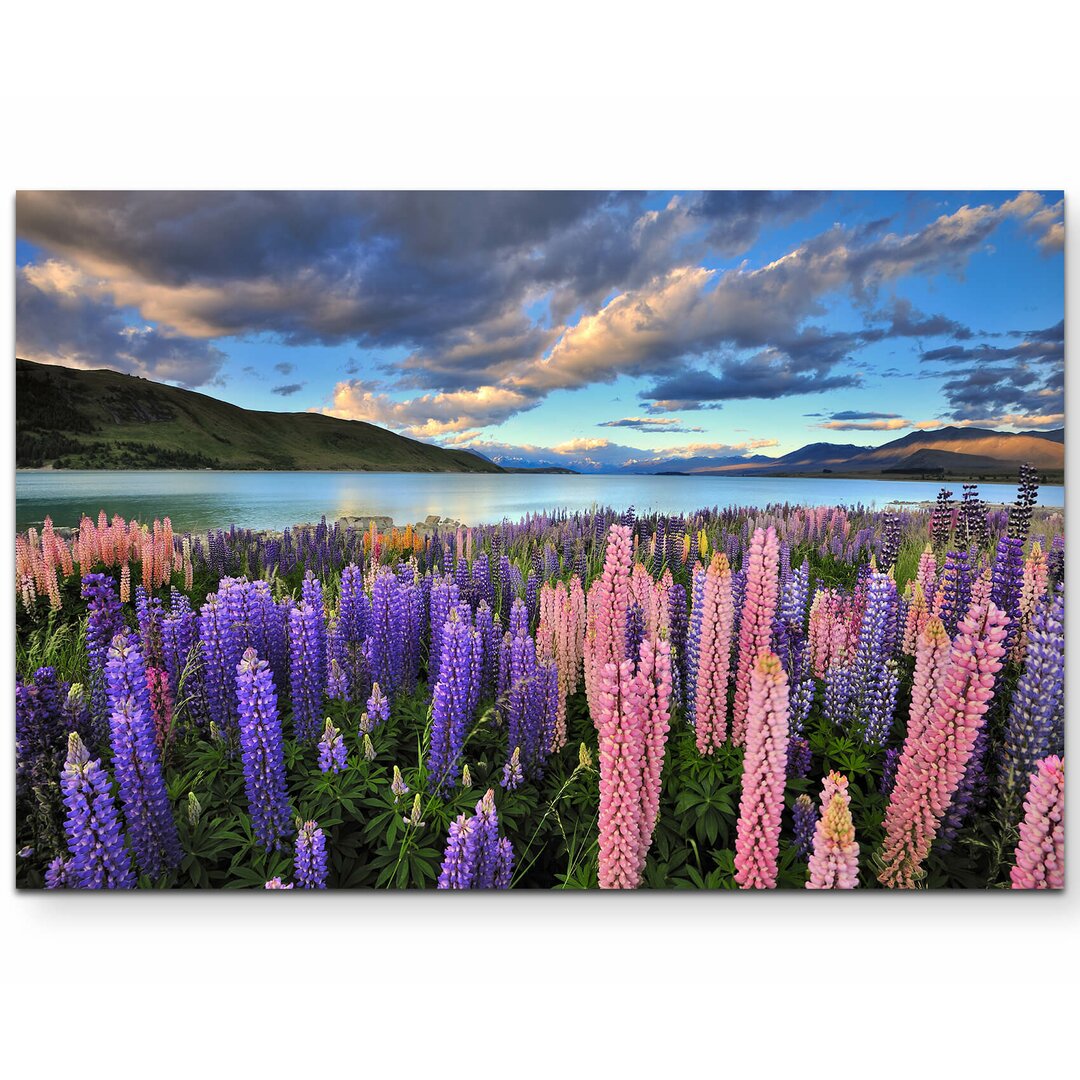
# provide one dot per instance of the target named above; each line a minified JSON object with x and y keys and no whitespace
{"x":599,"y":331}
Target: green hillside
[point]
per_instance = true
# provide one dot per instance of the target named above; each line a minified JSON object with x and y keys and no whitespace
{"x":72,"y":419}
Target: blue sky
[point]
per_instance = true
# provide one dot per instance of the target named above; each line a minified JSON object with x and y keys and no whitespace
{"x":595,"y":330}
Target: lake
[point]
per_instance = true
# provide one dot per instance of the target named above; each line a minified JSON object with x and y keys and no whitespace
{"x":196,"y":501}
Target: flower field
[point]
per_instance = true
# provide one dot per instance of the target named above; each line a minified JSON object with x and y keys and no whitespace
{"x":751,"y":698}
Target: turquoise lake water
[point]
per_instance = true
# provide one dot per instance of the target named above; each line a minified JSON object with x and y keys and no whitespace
{"x":196,"y":501}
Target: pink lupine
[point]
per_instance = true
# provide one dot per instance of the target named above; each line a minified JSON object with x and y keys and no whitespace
{"x":931,"y":660}
{"x":714,"y":659}
{"x":125,"y":583}
{"x":1040,"y":855}
{"x":1036,"y":573}
{"x":755,"y":627}
{"x":654,"y":671}
{"x":933,"y":762}
{"x":834,"y":863}
{"x":609,"y":598}
{"x":926,"y":575}
{"x":829,"y":632}
{"x":917,"y":617}
{"x":764,"y":775}
{"x":634,"y":703}
{"x":981,"y":588}
{"x":161,"y":705}
{"x":559,"y":637}
{"x":621,"y":726}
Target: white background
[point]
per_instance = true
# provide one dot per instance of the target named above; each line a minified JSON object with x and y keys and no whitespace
{"x":267,"y":95}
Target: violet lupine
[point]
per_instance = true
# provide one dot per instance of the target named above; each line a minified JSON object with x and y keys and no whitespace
{"x":1040,"y":854}
{"x":764,"y":775}
{"x":220,"y":653}
{"x":953,"y":596}
{"x":1008,"y":582}
{"x":58,"y":874}
{"x":889,"y":764}
{"x":835,"y":861}
{"x":713,"y":657}
{"x":755,"y":624}
{"x":333,"y":754}
{"x":378,"y":706}
{"x":693,"y":640}
{"x":874,"y":670}
{"x":262,"y":754}
{"x":309,"y":857}
{"x":389,"y":628}
{"x":277,"y":883}
{"x":450,"y":706}
{"x":307,"y":671}
{"x":933,"y":762}
{"x":99,"y":859}
{"x":512,"y":777}
{"x":151,"y":828}
{"x":804,"y":818}
{"x":634,"y":702}
{"x":104,"y":621}
{"x":1035,"y":726}
{"x":840,"y":692}
{"x":475,"y":856}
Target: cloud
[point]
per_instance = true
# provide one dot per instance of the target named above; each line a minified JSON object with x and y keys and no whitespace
{"x":57,"y":323}
{"x":285,"y":368}
{"x":851,"y":414}
{"x":430,"y":415}
{"x":649,"y":423}
{"x":866,"y":425}
{"x":288,"y":389}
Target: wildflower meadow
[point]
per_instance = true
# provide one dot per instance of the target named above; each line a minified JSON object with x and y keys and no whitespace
{"x":746,"y":698}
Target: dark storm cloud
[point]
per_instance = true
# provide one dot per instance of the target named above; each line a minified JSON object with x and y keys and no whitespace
{"x":288,"y":389}
{"x":737,"y":217}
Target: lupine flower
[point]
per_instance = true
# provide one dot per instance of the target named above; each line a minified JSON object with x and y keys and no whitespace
{"x":58,"y":874}
{"x":307,"y":667}
{"x":933,"y":763}
{"x":512,"y":777}
{"x":475,"y":856}
{"x":194,"y":809}
{"x":1036,"y":714}
{"x":888,"y":770}
{"x":764,"y":775}
{"x":99,"y":859}
{"x":466,"y":777}
{"x":398,"y":785}
{"x":277,"y":883}
{"x":378,"y":706}
{"x":1008,"y":582}
{"x":309,"y":859}
{"x":454,"y":698}
{"x":713,"y":656}
{"x":798,"y":756}
{"x":805,"y":819}
{"x":874,"y":670}
{"x":606,"y":607}
{"x":104,"y":621}
{"x":835,"y":861}
{"x":368,"y":748}
{"x":1040,"y":854}
{"x":756,"y":620}
{"x":414,"y":818}
{"x":151,"y":827}
{"x":262,"y":753}
{"x":333,"y":756}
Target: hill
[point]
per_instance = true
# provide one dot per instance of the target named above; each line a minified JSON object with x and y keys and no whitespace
{"x":70,"y":419}
{"x":947,"y":452}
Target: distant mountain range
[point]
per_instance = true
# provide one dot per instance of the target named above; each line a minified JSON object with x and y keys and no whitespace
{"x":65,"y":418}
{"x":945,"y":452}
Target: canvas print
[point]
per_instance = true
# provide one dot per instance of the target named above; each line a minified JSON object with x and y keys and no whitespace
{"x":539,"y":540}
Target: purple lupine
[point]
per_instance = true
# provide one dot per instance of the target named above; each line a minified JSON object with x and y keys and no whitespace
{"x":58,"y":874}
{"x":309,"y":859}
{"x":389,"y":626}
{"x":277,"y":883}
{"x":450,"y":714}
{"x":378,"y":707}
{"x":888,"y":770}
{"x":475,"y":856}
{"x":220,"y":652}
{"x":837,"y":706}
{"x":333,"y":754}
{"x":179,"y":634}
{"x":678,"y":618}
{"x":99,"y":859}
{"x":635,"y":628}
{"x":485,"y":624}
{"x":805,"y":819}
{"x":1008,"y":580}
{"x":261,"y":750}
{"x":104,"y":621}
{"x":513,"y":777}
{"x":151,"y":827}
{"x":1035,"y":727}
{"x":445,"y":595}
{"x":40,"y":727}
{"x":798,"y":757}
{"x":956,"y":590}
{"x":874,"y":671}
{"x":307,"y":671}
